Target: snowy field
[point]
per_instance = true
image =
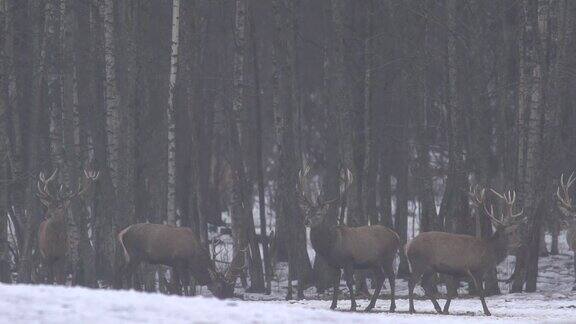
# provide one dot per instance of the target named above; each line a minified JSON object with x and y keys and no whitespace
{"x":44,"y":304}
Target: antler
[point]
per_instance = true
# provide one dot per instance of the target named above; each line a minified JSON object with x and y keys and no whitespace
{"x":509,"y":199}
{"x":302,"y":176}
{"x":43,"y":190}
{"x":89,"y":177}
{"x":347,"y":177}
{"x":564,"y":196}
{"x":477,"y":195}
{"x":495,"y":220}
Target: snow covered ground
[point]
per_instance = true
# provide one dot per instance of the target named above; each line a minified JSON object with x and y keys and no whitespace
{"x":51,"y":304}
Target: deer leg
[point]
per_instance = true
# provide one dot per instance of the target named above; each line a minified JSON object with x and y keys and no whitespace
{"x":349,"y":276}
{"x":186,"y":282}
{"x":392,"y":281}
{"x":49,"y":274}
{"x":300,"y":288}
{"x":378,"y":278}
{"x":479,"y":286}
{"x":61,"y":272}
{"x":412,"y":282}
{"x":426,"y":284}
{"x":450,"y":287}
{"x":128,"y":273}
{"x":176,"y":286}
{"x":336,"y":288}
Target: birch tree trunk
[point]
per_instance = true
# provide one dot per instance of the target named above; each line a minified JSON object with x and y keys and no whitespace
{"x":170,"y":115}
{"x":111,"y":179}
{"x":4,"y":151}
{"x":111,"y":92}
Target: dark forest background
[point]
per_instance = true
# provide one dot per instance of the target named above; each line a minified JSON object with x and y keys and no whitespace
{"x":210,"y":127}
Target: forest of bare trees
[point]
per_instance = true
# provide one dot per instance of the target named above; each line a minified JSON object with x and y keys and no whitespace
{"x":202,"y":113}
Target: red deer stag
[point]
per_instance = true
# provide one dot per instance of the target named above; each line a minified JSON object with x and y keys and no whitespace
{"x":349,"y":248}
{"x":460,"y":255}
{"x":52,"y":234}
{"x":569,"y":212}
{"x":179,"y":248}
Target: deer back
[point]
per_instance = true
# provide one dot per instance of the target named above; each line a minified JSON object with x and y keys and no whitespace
{"x":449,"y":253}
{"x":163,"y":244}
{"x":367,"y":243}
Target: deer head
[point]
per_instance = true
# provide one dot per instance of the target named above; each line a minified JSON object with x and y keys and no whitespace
{"x":315,"y":211}
{"x":58,"y":202}
{"x":222,"y":285}
{"x":509,"y":221}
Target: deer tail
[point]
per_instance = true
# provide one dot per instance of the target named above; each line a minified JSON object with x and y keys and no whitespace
{"x":121,"y":240}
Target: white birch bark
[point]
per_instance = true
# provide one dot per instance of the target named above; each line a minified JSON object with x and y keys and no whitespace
{"x":171,"y":187}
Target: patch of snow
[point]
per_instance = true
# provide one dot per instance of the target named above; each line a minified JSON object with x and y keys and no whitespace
{"x":52,"y":304}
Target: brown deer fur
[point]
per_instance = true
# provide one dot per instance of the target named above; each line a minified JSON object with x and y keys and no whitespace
{"x":459,"y":255}
{"x":52,"y":232}
{"x":350,"y":248}
{"x":176,"y":247}
{"x":52,"y":244}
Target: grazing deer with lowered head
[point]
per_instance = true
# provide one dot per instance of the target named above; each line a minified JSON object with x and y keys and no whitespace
{"x":461,"y":255}
{"x":52,"y":234}
{"x":349,"y":248}
{"x":569,"y":212}
{"x":179,"y":248}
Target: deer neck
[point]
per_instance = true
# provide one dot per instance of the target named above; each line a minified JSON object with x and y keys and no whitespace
{"x":499,"y":245}
{"x":323,"y":238}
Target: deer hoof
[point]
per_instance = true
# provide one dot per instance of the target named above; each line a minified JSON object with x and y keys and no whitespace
{"x":332,"y":307}
{"x":369,"y":308}
{"x":392,"y":309}
{"x":487,"y":313}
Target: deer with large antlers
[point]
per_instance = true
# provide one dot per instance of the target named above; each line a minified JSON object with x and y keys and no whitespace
{"x":350,"y":248}
{"x":52,"y":234}
{"x":569,"y":212}
{"x":462,"y":256}
{"x":179,"y":248}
